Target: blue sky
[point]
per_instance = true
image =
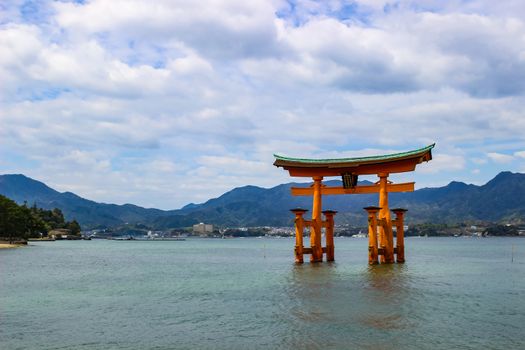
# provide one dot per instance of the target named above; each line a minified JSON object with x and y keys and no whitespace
{"x":169,"y":102}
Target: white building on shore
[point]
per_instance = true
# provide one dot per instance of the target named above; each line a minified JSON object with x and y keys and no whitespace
{"x":202,"y":229}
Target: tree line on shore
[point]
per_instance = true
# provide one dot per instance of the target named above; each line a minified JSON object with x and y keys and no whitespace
{"x":21,"y":221}
{"x":463,"y":229}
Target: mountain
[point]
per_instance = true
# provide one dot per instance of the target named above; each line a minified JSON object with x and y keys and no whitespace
{"x":88,"y":213}
{"x":502,"y":198}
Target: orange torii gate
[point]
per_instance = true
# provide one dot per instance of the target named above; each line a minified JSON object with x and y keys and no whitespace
{"x":381,"y":249}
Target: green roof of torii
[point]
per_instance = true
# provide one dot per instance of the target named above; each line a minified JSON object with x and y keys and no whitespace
{"x":282,"y":161}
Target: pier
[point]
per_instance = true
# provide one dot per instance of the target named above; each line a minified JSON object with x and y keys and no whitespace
{"x":381,"y":247}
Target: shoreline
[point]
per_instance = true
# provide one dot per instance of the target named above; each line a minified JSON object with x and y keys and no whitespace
{"x":10,"y":246}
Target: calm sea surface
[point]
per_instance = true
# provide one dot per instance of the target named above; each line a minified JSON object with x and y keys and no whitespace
{"x":453,"y":293}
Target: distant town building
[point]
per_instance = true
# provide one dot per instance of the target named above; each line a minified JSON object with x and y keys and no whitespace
{"x":59,"y":233}
{"x":202,"y":229}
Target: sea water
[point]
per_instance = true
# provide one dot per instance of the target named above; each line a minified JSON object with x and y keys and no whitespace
{"x":452,"y":293}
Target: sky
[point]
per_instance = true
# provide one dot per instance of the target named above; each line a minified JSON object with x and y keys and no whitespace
{"x":166,"y":102}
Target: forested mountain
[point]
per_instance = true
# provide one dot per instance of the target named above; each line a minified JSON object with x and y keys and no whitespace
{"x":88,"y":213}
{"x":501,"y":199}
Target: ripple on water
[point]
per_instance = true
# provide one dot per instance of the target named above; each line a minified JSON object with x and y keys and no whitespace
{"x":236,"y":294}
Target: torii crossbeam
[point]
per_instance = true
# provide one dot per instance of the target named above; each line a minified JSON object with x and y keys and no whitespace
{"x":350,"y":169}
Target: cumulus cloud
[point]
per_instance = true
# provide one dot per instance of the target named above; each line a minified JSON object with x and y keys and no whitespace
{"x":500,"y":158}
{"x":520,"y":154}
{"x":444,"y":162}
{"x":221,"y":29}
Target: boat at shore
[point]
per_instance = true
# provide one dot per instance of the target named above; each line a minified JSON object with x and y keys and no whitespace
{"x":130,"y":238}
{"x":360,"y":235}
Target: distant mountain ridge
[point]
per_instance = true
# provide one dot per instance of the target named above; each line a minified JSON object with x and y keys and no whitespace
{"x":502,"y":198}
{"x":21,"y":188}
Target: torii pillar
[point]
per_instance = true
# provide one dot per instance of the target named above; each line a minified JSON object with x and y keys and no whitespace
{"x":385,"y":230}
{"x":317,"y":224}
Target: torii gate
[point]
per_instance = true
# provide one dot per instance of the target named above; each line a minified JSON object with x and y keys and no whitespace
{"x":350,"y":168}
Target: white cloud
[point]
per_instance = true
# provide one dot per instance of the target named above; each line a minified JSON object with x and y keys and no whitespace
{"x":478,"y":161}
{"x":219,"y":29}
{"x":403,"y":52}
{"x":443,"y":163}
{"x":500,"y":157}
{"x":520,"y":154}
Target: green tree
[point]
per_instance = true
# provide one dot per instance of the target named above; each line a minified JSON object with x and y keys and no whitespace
{"x":57,"y":219}
{"x":74,"y":227}
{"x":13,"y":220}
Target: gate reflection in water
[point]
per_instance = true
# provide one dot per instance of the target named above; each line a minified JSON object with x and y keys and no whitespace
{"x":330,"y":306}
